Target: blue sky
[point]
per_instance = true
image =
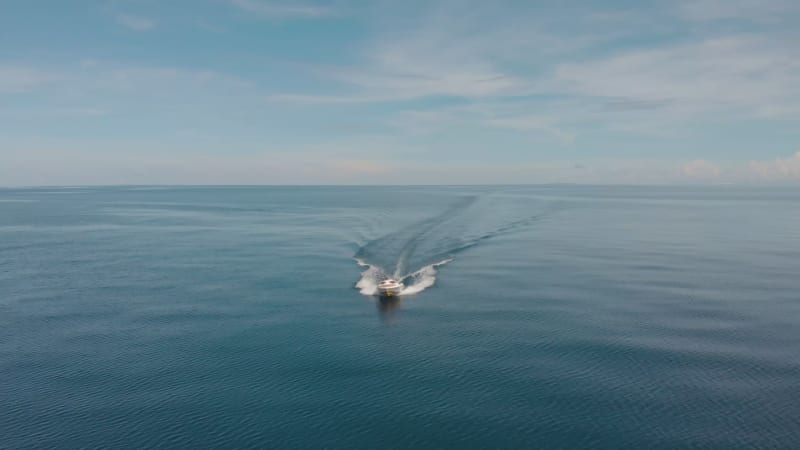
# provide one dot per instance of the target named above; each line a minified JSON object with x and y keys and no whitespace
{"x":374,"y":91}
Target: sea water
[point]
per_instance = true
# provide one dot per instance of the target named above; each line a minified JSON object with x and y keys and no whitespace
{"x":533,"y":317}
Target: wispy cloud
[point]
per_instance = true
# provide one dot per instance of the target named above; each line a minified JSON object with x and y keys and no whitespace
{"x":432,"y":53}
{"x":484,"y":115}
{"x":525,"y":75}
{"x":92,"y":88}
{"x":21,"y":79}
{"x":532,"y":123}
{"x":450,"y":91}
{"x":136,"y":23}
{"x":749,"y":75}
{"x":750,"y":10}
{"x":281,"y":9}
{"x":401,"y":77}
{"x":445,"y":53}
{"x":53,"y":112}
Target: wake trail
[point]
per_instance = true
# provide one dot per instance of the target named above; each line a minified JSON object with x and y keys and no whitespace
{"x":414,"y":253}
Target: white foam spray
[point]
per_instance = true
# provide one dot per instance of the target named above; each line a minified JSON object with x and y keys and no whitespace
{"x":368,"y":284}
{"x":419,"y":281}
{"x":423,"y":278}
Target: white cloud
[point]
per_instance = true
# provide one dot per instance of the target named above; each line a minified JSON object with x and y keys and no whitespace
{"x":136,"y":23}
{"x":781,"y":169}
{"x":702,"y":169}
{"x":278,"y":9}
{"x":786,"y":170}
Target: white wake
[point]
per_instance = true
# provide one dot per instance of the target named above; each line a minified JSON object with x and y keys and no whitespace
{"x":416,"y":282}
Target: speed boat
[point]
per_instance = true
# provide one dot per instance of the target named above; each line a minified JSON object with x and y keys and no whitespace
{"x":390,"y":287}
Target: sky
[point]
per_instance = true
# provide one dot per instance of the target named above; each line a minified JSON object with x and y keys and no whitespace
{"x":399,"y":92}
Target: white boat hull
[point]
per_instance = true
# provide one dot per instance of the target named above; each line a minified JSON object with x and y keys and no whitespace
{"x":390,"y":288}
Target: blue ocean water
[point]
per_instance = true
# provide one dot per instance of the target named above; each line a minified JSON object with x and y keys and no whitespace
{"x":534,"y":317}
